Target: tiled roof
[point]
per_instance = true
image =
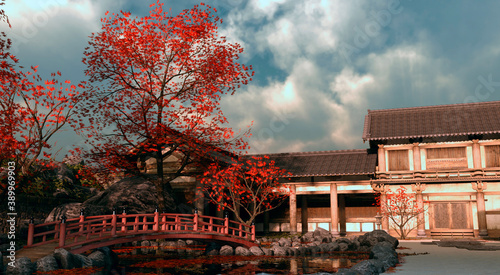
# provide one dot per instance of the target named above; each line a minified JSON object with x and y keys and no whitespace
{"x":327,"y":163}
{"x":433,"y":121}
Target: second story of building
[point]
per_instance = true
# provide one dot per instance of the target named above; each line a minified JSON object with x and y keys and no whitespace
{"x":447,"y":142}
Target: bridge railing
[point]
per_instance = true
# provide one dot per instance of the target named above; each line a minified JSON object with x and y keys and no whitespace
{"x":86,"y":229}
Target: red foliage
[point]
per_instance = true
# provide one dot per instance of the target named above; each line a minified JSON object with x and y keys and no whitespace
{"x":251,"y":185}
{"x":155,"y":84}
{"x":32,"y":109}
{"x":401,"y":209}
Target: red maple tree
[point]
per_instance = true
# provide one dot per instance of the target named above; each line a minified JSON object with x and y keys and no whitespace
{"x":247,"y":187}
{"x":401,"y":209}
{"x":155,"y":84}
{"x":32,"y":109}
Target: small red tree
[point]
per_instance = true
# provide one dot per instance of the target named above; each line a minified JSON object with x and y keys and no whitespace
{"x":155,"y":84}
{"x":32,"y":109}
{"x":401,"y":209}
{"x":248,"y":187}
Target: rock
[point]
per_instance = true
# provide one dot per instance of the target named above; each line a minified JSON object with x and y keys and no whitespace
{"x":22,"y":266}
{"x":284,"y":242}
{"x":308,"y":237}
{"x":343,"y":247}
{"x":376,"y":236}
{"x":111,"y":259}
{"x":278,"y":251}
{"x":315,"y":250}
{"x":136,"y":193}
{"x":98,"y":258}
{"x":85,"y":261}
{"x":257,"y":251}
{"x":66,"y":259}
{"x":333,"y":247}
{"x":367,"y":267}
{"x":291,"y":251}
{"x":384,"y":253}
{"x":70,"y":210}
{"x":168,"y":246}
{"x":242,"y":251}
{"x":226,"y":250}
{"x":267,"y":251}
{"x":212,"y":249}
{"x":181,"y":247}
{"x":47,"y":263}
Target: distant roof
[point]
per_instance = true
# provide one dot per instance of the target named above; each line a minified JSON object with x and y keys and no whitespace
{"x":327,"y":163}
{"x":433,"y":121}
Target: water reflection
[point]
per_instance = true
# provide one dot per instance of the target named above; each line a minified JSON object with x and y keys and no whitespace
{"x":190,"y":260}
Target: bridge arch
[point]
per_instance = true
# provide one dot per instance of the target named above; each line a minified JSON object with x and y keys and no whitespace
{"x":84,"y":233}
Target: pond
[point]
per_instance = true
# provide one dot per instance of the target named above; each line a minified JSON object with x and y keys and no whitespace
{"x":191,"y":260}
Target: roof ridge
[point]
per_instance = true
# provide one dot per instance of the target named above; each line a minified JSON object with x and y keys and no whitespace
{"x":435,"y":106}
{"x":344,"y":151}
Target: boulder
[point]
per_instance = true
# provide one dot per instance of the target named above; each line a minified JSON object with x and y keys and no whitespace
{"x":66,"y":259}
{"x":284,"y":242}
{"x":111,"y":259}
{"x":22,"y":266}
{"x":98,"y":258}
{"x":257,"y":251}
{"x":47,"y":263}
{"x":169,"y":246}
{"x":376,"y":236}
{"x":278,"y":251}
{"x":242,"y":251}
{"x":70,"y":210}
{"x":368,"y":267}
{"x":226,"y":250}
{"x":85,"y":261}
{"x":212,"y":249}
{"x":137,"y":194}
{"x":267,"y":251}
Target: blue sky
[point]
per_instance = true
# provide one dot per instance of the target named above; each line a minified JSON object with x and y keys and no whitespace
{"x":319,"y":65}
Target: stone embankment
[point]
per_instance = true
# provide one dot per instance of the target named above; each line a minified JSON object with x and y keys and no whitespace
{"x":380,"y":246}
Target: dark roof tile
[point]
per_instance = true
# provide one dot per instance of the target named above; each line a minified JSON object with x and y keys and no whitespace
{"x":327,"y":163}
{"x":433,"y":121}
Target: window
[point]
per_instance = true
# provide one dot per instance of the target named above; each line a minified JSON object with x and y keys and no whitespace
{"x":447,"y":158}
{"x":492,"y":155}
{"x":398,"y":160}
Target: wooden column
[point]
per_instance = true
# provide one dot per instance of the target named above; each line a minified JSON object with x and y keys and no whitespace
{"x":293,"y":209}
{"x":418,"y":188}
{"x":380,"y":188}
{"x":200,"y":199}
{"x":266,"y":222}
{"x":416,"y":157}
{"x":305,"y":226}
{"x":476,"y":153}
{"x":342,"y":218}
{"x":479,"y":186}
{"x":334,"y":209}
{"x":381,"y":158}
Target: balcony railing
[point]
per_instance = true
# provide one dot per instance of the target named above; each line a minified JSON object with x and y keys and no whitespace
{"x":439,"y":174}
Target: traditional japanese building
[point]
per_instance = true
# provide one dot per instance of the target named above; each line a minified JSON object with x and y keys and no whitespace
{"x":448,"y":156}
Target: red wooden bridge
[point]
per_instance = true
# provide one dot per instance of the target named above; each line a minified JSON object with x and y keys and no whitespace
{"x":84,"y":233}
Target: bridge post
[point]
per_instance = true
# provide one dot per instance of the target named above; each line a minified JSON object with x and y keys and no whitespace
{"x":82,"y":219}
{"x":124,"y":220}
{"x":226,"y":224}
{"x":253,"y":231}
{"x":195,"y":220}
{"x":62,"y":231}
{"x":31,"y":231}
{"x":157,"y":220}
{"x":113,"y":223}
